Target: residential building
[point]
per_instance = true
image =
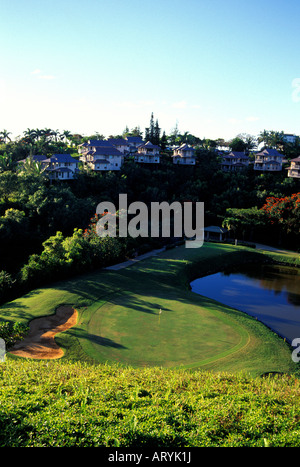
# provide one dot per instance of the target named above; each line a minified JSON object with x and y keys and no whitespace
{"x":134,"y":142}
{"x":288,"y":138}
{"x":57,"y":167}
{"x":36,"y":158}
{"x":234,"y":161}
{"x":92,"y":144}
{"x":148,"y":153}
{"x":294,"y":169}
{"x":120,"y":144}
{"x":268,"y":160}
{"x":100,"y":155}
{"x":61,"y":167}
{"x":184,"y":155}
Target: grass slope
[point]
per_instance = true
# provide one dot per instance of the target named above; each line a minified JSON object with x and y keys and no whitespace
{"x":119,"y":318}
{"x":59,"y":403}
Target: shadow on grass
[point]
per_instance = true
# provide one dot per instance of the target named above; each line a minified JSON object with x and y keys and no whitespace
{"x":104,"y":341}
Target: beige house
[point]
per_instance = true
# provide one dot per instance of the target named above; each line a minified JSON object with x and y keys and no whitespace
{"x":184,"y":155}
{"x":120,"y":144}
{"x":100,"y":156}
{"x":294,"y":169}
{"x":148,"y":154}
{"x":268,"y":160}
{"x":234,"y":161}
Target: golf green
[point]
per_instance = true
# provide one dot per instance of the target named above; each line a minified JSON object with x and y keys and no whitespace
{"x":143,"y":330}
{"x":146,"y":315}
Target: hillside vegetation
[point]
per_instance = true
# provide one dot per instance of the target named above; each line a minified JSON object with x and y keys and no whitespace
{"x":74,"y":404}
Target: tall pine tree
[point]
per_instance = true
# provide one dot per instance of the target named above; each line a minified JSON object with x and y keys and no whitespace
{"x":152,"y":133}
{"x":156,"y":136}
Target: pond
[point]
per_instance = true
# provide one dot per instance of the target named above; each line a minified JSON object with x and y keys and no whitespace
{"x":269,"y":293}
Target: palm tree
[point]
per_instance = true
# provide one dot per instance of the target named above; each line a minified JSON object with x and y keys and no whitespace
{"x":271,"y":139}
{"x":47,"y":133}
{"x":32,"y":167}
{"x":4,"y":134}
{"x":30,"y":135}
{"x":55,"y":134}
{"x":66,"y":135}
{"x":39,"y":133}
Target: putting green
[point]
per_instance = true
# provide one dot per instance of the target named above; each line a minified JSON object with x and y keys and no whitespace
{"x":146,"y":331}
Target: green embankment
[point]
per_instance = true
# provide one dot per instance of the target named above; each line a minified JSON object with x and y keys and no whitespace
{"x":59,"y":403}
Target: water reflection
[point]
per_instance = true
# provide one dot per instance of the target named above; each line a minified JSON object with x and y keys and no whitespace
{"x":269,"y":293}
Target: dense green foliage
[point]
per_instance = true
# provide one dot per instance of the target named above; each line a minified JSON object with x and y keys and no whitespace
{"x":56,"y":404}
{"x":12,"y":332}
{"x":33,"y":211}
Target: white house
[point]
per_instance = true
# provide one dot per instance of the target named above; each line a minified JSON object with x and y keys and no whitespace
{"x":148,"y":153}
{"x":289,"y":138}
{"x":294,"y":169}
{"x":120,"y":144}
{"x":61,"y":167}
{"x":234,"y":161}
{"x":134,"y":142}
{"x":184,"y":155}
{"x":101,"y":156}
{"x":57,"y":167}
{"x":269,"y":160}
{"x":37,"y":159}
{"x":91,"y":145}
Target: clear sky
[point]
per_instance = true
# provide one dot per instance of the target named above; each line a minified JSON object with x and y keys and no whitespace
{"x":216,"y":68}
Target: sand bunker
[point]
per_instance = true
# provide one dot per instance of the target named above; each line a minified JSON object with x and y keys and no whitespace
{"x":39,"y":342}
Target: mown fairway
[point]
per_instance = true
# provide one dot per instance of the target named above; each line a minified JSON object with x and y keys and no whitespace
{"x":120,"y":319}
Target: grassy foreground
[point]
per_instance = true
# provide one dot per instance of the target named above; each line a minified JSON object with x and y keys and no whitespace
{"x":81,"y":401}
{"x":59,"y":404}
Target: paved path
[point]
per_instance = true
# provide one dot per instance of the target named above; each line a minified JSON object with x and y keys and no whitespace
{"x":259,"y":246}
{"x":135,"y":260}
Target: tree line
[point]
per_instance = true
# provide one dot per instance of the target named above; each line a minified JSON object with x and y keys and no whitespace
{"x":42,"y":225}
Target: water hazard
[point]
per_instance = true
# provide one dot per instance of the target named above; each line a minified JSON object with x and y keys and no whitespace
{"x":268,"y":292}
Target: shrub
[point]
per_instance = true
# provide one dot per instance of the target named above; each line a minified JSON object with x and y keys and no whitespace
{"x":12,"y":332}
{"x":6,"y":284}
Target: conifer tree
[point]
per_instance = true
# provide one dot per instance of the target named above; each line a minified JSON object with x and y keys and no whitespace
{"x":156,"y":136}
{"x":163,"y":141}
{"x":152,"y":133}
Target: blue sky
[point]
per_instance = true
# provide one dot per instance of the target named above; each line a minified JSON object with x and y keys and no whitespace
{"x":216,"y":68}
